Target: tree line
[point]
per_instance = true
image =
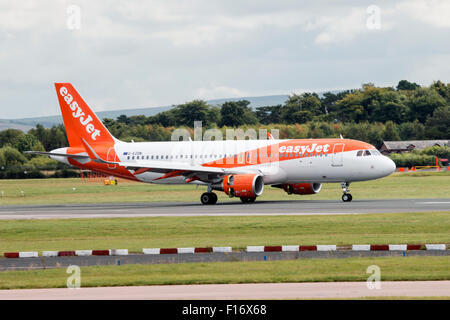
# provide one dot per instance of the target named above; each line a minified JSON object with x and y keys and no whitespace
{"x":372,"y":114}
{"x":409,"y":111}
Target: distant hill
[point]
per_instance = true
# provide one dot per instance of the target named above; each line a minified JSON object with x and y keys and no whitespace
{"x":11,"y":124}
{"x":25,"y":124}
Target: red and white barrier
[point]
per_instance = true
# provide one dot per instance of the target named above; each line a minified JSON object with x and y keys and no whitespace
{"x":151,"y":251}
{"x":222,"y":249}
{"x":49,"y":253}
{"x":83,"y":253}
{"x":290,"y":248}
{"x":118,"y":252}
{"x":398,"y":247}
{"x":31,"y":254}
{"x":361,"y":247}
{"x":198,"y":250}
{"x":326,"y":247}
{"x":186,"y":250}
{"x":435,"y":246}
{"x":255,"y":248}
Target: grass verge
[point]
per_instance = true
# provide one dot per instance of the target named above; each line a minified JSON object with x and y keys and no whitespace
{"x":61,"y":191}
{"x":304,"y":270}
{"x":238,"y":231}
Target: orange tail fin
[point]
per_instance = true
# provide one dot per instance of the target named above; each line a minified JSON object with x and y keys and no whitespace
{"x":80,"y":121}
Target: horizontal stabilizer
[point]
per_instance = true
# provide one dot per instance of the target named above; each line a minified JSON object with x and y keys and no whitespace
{"x":75,"y":156}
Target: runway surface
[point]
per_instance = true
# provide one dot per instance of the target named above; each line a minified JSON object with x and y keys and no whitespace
{"x":321,"y":290}
{"x":157,"y":209}
{"x":83,"y":261}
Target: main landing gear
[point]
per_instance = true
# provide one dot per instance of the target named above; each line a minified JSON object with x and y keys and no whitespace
{"x":208,"y":198}
{"x":346,"y":197}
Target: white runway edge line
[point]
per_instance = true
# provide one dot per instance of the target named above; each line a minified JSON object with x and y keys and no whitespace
{"x":199,"y":250}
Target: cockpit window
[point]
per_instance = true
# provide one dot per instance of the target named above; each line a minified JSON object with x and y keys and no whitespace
{"x":367,"y":153}
{"x":376,"y":152}
{"x":359,"y":154}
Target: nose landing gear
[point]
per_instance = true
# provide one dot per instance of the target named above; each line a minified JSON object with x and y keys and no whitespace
{"x":346,"y":197}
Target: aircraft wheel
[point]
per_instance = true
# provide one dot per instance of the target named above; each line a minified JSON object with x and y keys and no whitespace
{"x":347,"y":197}
{"x":214,"y":198}
{"x":208,"y":198}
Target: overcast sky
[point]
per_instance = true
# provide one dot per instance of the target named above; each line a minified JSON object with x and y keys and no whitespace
{"x":136,"y":54}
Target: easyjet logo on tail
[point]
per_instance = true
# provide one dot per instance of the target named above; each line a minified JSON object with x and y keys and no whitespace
{"x":79,"y":114}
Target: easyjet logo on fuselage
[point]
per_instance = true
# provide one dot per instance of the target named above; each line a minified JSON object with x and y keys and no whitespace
{"x":305,"y":149}
{"x":79,"y":114}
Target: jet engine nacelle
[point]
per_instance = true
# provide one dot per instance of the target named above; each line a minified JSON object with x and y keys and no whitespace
{"x":243,"y":185}
{"x":302,"y":188}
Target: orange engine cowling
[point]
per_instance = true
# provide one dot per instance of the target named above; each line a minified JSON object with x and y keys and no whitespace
{"x":302,"y":188}
{"x":243,"y":185}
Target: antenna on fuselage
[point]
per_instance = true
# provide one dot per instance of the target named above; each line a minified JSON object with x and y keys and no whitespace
{"x":340,"y":135}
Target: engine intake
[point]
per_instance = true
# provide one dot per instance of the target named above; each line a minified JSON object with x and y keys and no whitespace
{"x":243,"y":185}
{"x":302,"y":188}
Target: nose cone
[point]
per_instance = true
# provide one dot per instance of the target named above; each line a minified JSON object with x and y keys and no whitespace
{"x":388,"y":166}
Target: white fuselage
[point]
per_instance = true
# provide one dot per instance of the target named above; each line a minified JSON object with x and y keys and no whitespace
{"x":289,"y":167}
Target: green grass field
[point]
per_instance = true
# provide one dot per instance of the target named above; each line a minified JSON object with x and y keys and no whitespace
{"x":60,"y":191}
{"x":238,"y":232}
{"x":302,"y":270}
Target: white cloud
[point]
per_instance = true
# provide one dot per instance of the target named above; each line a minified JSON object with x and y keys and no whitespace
{"x":433,"y":12}
{"x":148,"y":53}
{"x":433,"y":68}
{"x":346,"y":27}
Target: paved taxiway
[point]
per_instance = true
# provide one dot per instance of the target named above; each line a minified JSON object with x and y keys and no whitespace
{"x":155,"y":209}
{"x":321,"y":290}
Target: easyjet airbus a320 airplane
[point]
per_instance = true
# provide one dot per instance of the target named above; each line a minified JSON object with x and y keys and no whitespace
{"x":240,"y":168}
